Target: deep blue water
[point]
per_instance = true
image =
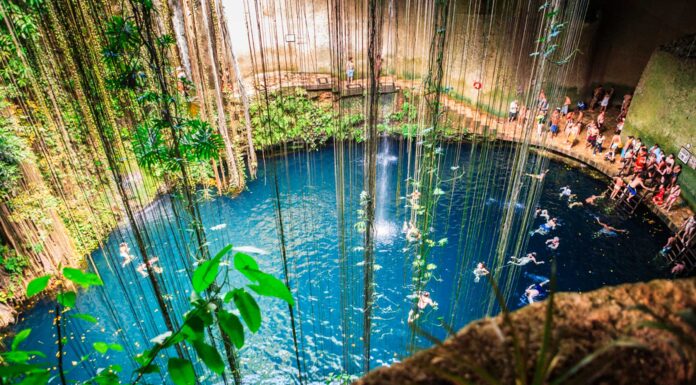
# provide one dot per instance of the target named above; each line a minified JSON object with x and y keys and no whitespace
{"x":328,"y":284}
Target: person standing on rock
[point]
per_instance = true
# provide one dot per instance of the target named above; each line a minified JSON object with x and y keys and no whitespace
{"x":350,"y":70}
{"x":514,"y":110}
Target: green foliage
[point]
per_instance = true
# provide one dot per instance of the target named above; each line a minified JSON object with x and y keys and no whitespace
{"x":291,"y":117}
{"x":37,"y":285}
{"x":340,"y":379}
{"x":81,"y":278}
{"x":12,"y":262}
{"x":67,"y":299}
{"x":11,"y":154}
{"x":207,"y":309}
{"x":181,"y":371}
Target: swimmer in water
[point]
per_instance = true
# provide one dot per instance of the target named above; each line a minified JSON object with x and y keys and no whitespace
{"x":531,"y":257}
{"x":423,"y":301}
{"x":553,"y":243}
{"x":142,"y":269}
{"x":540,"y":177}
{"x":546,"y":227}
{"x":608,"y":230}
{"x":535,"y":290}
{"x":480,"y":271}
{"x":591,"y":200}
{"x":124,"y":251}
{"x":542,"y":213}
{"x":413,"y":234}
{"x":574,"y":204}
{"x":565,"y":192}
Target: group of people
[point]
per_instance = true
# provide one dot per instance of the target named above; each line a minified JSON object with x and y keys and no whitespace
{"x":639,"y":167}
{"x":648,"y":169}
{"x":142,"y":269}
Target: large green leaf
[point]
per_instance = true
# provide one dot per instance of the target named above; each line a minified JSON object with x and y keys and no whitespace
{"x":193,"y":328}
{"x":210,"y":356}
{"x":101,"y":347}
{"x":81,"y":278}
{"x":37,"y":285}
{"x":21,"y":336}
{"x":181,"y":371}
{"x":67,"y":299}
{"x":205,"y":274}
{"x":248,"y":308}
{"x":223,"y":252}
{"x":232,"y":326}
{"x":39,"y":378}
{"x":271,"y":286}
{"x":246,"y":265}
{"x":85,"y":317}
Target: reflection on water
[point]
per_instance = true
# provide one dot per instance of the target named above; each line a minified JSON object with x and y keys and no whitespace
{"x":329,"y":303}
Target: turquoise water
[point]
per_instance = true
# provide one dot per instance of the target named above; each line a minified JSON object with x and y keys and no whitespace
{"x":329,"y":302}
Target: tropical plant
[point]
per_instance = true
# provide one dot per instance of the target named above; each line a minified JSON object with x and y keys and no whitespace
{"x":211,"y":304}
{"x":11,"y":154}
{"x":11,"y":261}
{"x":291,"y":117}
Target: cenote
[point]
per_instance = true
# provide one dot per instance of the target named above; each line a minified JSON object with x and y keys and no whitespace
{"x":326,"y":276}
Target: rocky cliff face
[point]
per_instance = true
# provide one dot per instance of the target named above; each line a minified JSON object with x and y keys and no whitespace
{"x":583,"y":324}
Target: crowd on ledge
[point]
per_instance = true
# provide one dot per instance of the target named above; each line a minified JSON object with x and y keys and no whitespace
{"x":644,"y":172}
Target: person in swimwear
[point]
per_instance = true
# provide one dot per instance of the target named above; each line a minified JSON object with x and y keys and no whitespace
{"x":142,"y":269}
{"x":633,"y":186}
{"x":609,"y":230}
{"x":124,"y":251}
{"x":480,"y":271}
{"x":423,"y":301}
{"x":618,"y":186}
{"x":535,"y":290}
{"x":413,"y":234}
{"x":591,"y":200}
{"x":546,"y":227}
{"x":553,"y":243}
{"x":541,"y":213}
{"x":531,"y":257}
{"x":565,"y":192}
{"x":540,"y":177}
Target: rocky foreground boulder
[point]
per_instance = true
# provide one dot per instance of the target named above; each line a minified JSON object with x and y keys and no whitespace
{"x":583,"y":324}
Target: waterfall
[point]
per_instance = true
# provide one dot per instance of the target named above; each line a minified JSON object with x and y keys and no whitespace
{"x":180,"y":35}
{"x":384,"y":229}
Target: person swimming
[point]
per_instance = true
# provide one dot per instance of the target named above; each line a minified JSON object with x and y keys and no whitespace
{"x":574,"y":204}
{"x":553,"y":243}
{"x":424,"y":301}
{"x":124,"y":251}
{"x":591,"y":199}
{"x":565,"y":192}
{"x":480,"y":271}
{"x":545,"y":227}
{"x":142,"y":268}
{"x":539,"y":177}
{"x":608,"y":230}
{"x":531,"y":257}
{"x":542,"y":213}
{"x":413,"y":234}
{"x":535,"y":290}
